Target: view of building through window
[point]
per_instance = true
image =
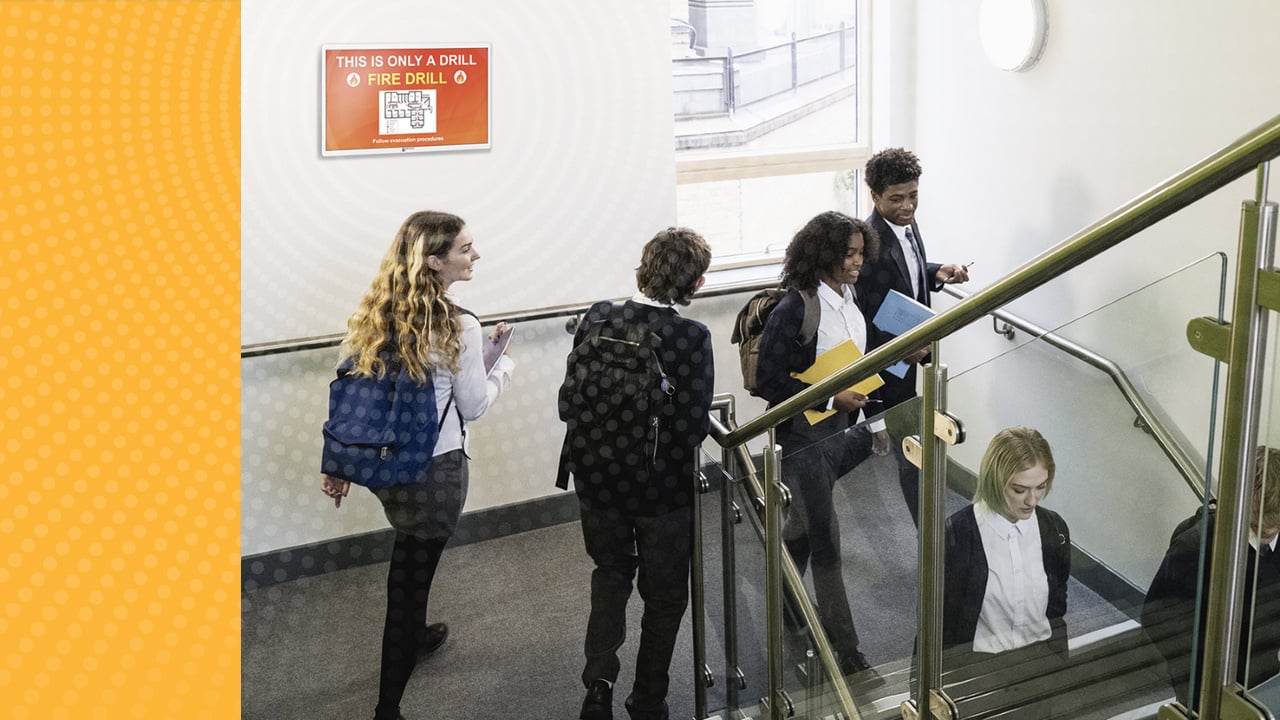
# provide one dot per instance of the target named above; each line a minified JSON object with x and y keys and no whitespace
{"x":759,"y":88}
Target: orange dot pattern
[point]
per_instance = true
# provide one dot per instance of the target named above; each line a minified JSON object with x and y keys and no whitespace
{"x":119,"y":366}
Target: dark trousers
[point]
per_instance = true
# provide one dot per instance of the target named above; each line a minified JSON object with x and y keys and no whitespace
{"x":413,"y":566}
{"x":659,"y":549}
{"x":811,"y":532}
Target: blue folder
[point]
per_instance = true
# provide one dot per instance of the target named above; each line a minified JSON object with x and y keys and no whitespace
{"x":898,"y":314}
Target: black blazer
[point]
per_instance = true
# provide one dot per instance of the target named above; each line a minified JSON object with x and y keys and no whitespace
{"x":1168,"y":612}
{"x":686,"y":358}
{"x":965,"y":581}
{"x":781,"y":353}
{"x":888,"y":271}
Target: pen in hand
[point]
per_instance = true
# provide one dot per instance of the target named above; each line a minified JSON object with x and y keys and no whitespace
{"x":966,"y":267}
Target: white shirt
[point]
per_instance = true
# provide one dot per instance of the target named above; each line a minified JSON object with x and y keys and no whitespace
{"x":473,"y":392}
{"x":1017,"y":595}
{"x":908,"y":252}
{"x":841,"y":320}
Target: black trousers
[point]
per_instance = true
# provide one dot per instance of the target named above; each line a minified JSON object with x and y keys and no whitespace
{"x":413,"y":567}
{"x":659,"y":548}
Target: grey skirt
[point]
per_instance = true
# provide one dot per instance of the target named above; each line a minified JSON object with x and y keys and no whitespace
{"x":429,"y":508}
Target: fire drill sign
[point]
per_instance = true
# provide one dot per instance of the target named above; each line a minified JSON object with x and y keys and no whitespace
{"x":404,"y":98}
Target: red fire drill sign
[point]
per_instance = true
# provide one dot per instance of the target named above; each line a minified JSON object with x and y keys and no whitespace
{"x":381,"y":99}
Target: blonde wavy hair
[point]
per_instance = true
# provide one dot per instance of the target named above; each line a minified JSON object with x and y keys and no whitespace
{"x":405,"y":318}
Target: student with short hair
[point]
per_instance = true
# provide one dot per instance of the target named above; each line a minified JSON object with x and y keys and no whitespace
{"x":1169,"y":610}
{"x":1008,"y":558}
{"x":636,"y":507}
{"x":893,"y":176}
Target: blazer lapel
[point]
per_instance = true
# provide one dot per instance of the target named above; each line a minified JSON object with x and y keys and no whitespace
{"x":890,"y":244}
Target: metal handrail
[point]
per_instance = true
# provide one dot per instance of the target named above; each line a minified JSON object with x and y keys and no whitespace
{"x":794,"y":581}
{"x":1227,"y":165}
{"x":1177,"y":455}
{"x":319,"y":342}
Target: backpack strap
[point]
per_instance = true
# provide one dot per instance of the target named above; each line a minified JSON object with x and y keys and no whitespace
{"x":812,"y":316}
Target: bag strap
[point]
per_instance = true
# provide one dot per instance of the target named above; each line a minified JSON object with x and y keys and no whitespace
{"x":812,"y":316}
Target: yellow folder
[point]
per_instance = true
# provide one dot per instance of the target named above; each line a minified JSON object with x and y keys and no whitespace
{"x":825,"y":365}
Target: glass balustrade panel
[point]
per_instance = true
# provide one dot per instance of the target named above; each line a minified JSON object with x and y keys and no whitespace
{"x":1055,"y":599}
{"x":1260,"y":633}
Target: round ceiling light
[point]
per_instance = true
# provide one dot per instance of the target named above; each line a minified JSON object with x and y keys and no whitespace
{"x":1013,"y":32}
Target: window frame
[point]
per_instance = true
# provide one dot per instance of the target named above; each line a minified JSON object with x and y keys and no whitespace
{"x":738,"y":165}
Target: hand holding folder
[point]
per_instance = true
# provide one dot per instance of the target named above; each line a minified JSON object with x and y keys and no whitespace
{"x":898,"y":314}
{"x":826,"y":365}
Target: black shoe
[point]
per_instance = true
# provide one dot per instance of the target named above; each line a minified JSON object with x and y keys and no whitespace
{"x":379,"y":713}
{"x":432,"y":639}
{"x":658,"y":713}
{"x":858,"y":670}
{"x":598,"y":705}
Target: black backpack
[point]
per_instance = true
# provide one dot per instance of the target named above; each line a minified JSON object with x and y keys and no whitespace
{"x":748,"y":328}
{"x":613,"y":397}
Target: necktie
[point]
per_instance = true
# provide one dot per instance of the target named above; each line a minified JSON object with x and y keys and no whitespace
{"x":919,"y":265}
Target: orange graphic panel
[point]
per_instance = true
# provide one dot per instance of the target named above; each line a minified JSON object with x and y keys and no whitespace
{"x":404,"y":98}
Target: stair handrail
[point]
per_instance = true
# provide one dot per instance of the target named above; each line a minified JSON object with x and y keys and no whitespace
{"x":1187,"y":467}
{"x":1204,"y":177}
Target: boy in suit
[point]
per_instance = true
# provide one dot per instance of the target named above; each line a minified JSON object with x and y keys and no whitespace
{"x":894,"y":178}
{"x":1169,"y":611}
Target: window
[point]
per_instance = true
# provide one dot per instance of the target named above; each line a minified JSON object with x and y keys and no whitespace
{"x":770,"y":107}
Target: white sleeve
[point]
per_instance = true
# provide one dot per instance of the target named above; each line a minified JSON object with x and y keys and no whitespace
{"x":473,"y":392}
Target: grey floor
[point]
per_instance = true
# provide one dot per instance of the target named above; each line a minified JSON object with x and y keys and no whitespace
{"x":517,"y":609}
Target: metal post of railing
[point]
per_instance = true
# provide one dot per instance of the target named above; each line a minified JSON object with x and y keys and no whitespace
{"x":1243,"y":400}
{"x":730,"y":516}
{"x":730,"y":96}
{"x":795,"y":75}
{"x":777,"y":498}
{"x":697,"y":592}
{"x":933,"y":476}
{"x":842,"y":43}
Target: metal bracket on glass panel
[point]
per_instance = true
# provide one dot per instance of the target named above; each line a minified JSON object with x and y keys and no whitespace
{"x":785,"y":704}
{"x":1269,"y":289}
{"x":704,"y":485}
{"x":947,"y":428}
{"x":941,"y":707}
{"x":1173,"y":711}
{"x":1210,"y":337}
{"x":1238,"y":706}
{"x":736,"y":511}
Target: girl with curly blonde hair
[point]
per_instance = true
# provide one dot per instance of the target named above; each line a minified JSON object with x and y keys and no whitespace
{"x":406,"y":321}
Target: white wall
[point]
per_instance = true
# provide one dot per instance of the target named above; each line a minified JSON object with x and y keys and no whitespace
{"x":580,"y":164}
{"x":1125,"y":95}
{"x":580,"y":174}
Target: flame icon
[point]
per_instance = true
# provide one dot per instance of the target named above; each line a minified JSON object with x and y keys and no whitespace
{"x":460,"y":77}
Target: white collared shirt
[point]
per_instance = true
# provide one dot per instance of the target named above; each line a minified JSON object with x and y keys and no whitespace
{"x":1017,"y":595}
{"x":841,"y":319}
{"x":908,"y":252}
{"x":643,"y":299}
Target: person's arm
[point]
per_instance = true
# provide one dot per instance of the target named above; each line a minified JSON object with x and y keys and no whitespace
{"x":773,"y":365}
{"x":695,"y":387}
{"x":1057,"y":609}
{"x":474,"y":391}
